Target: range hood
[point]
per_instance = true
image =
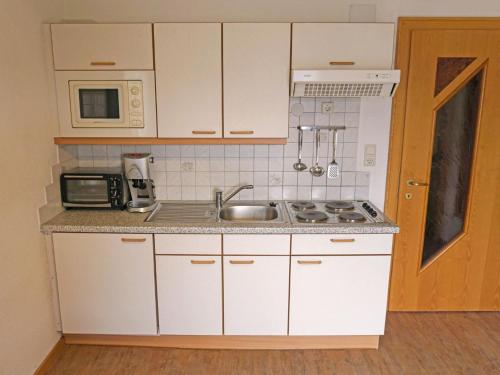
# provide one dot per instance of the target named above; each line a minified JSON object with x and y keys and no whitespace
{"x":344,"y":83}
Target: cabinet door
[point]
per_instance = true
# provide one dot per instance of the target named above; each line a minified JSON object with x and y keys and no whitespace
{"x":189,"y":80}
{"x":337,"y":45}
{"x":102,"y":46}
{"x":106,"y":283}
{"x":189,"y":294}
{"x":256,"y":295}
{"x":338,"y":295}
{"x":256,"y":79}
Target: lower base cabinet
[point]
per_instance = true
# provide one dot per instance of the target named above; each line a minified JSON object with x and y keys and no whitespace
{"x":189,"y":294}
{"x":106,"y":283}
{"x":256,"y":295}
{"x":338,"y":295}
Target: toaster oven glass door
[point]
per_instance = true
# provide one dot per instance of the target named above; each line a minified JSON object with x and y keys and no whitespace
{"x":99,"y":104}
{"x":86,"y":191}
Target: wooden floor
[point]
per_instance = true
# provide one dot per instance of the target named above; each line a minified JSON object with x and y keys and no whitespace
{"x":424,"y":343}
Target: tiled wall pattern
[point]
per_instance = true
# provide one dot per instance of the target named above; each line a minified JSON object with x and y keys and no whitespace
{"x":194,"y":172}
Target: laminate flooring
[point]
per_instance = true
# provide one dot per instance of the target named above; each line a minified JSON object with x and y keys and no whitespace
{"x":414,"y":343}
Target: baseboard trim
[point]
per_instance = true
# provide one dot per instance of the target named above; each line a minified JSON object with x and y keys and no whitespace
{"x":50,"y":358}
{"x":229,"y":342}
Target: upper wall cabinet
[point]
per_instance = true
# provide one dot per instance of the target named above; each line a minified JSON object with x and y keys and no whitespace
{"x":102,"y":46}
{"x":256,"y":59}
{"x":342,"y":45}
{"x":189,"y":80}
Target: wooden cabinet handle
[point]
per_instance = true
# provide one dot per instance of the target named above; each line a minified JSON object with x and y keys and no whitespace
{"x":242,"y":261}
{"x":201,"y":132}
{"x":342,"y":63}
{"x":102,"y":63}
{"x":334,"y":240}
{"x":309,"y":261}
{"x":203,"y":261}
{"x":241,"y":132}
{"x":134,"y":240}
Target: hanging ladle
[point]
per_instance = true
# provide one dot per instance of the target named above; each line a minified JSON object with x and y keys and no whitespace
{"x":317,"y":170}
{"x":299,"y":166}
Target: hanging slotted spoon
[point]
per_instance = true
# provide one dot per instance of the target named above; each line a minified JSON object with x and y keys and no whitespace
{"x":333,"y":167}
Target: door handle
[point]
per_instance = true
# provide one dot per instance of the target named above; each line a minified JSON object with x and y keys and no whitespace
{"x":242,"y":261}
{"x":203,"y":261}
{"x":102,"y":63}
{"x":241,"y":132}
{"x":201,"y":132}
{"x":334,"y":240}
{"x":416,"y":183}
{"x":309,"y":261}
{"x":341,"y":63}
{"x":135,"y":240}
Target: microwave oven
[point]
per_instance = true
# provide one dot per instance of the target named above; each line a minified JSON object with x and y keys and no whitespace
{"x":94,"y":188}
{"x":106,"y":103}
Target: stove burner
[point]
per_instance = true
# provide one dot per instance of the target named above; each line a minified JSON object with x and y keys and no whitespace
{"x":303,"y":205}
{"x":311,"y":217}
{"x":351,"y":217}
{"x":339,"y":206}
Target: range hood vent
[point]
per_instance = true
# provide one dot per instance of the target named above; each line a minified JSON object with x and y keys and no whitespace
{"x":344,"y":83}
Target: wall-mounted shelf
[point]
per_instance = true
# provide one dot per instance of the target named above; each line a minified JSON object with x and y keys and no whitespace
{"x":167,"y":141}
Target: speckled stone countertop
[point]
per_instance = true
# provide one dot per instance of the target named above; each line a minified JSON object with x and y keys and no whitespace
{"x":109,"y":221}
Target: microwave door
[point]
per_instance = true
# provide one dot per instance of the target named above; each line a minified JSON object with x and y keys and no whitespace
{"x":86,"y":192}
{"x":99,"y":104}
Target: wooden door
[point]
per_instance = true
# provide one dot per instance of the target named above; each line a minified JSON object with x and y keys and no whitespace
{"x":189,"y":79}
{"x":106,"y":283}
{"x":338,"y":295}
{"x":256,"y":60}
{"x":256,"y":295}
{"x":446,"y":256}
{"x":189,"y":294}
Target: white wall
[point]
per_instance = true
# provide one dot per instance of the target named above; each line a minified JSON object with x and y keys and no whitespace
{"x":27,"y":125}
{"x":265,"y":10}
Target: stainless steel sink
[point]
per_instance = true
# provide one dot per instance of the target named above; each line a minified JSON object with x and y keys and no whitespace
{"x":249,"y":213}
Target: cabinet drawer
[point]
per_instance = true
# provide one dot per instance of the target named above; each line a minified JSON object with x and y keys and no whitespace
{"x":188,"y":244}
{"x":257,"y":244}
{"x":341,"y":244}
{"x":102,"y":46}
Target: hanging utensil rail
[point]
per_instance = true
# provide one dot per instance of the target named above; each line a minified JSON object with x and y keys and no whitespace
{"x":320,"y":127}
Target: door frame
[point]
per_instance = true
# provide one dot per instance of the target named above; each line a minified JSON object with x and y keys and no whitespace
{"x":406,"y":25}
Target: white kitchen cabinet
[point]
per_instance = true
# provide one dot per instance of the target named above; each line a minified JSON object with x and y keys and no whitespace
{"x":102,"y":46}
{"x":189,"y":294}
{"x":106,"y":283}
{"x":188,"y":60}
{"x":342,"y":45}
{"x":256,"y":60}
{"x":338,"y":295}
{"x":256,"y":295}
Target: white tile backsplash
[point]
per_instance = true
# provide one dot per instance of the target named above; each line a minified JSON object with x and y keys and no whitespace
{"x":196,"y":171}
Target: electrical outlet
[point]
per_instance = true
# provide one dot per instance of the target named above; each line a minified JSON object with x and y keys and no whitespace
{"x":370,"y":155}
{"x":326,"y":107}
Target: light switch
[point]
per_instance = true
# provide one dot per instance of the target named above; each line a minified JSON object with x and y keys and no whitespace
{"x":370,"y":155}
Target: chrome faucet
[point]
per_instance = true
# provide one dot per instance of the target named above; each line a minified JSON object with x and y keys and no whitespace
{"x":219,"y":201}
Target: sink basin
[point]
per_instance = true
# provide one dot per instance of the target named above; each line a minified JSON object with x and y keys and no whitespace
{"x":249,"y":213}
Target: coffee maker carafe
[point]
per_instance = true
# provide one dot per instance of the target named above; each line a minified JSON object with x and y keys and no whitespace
{"x":139,"y":180}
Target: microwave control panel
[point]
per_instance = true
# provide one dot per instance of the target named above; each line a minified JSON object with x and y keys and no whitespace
{"x":135,"y":103}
